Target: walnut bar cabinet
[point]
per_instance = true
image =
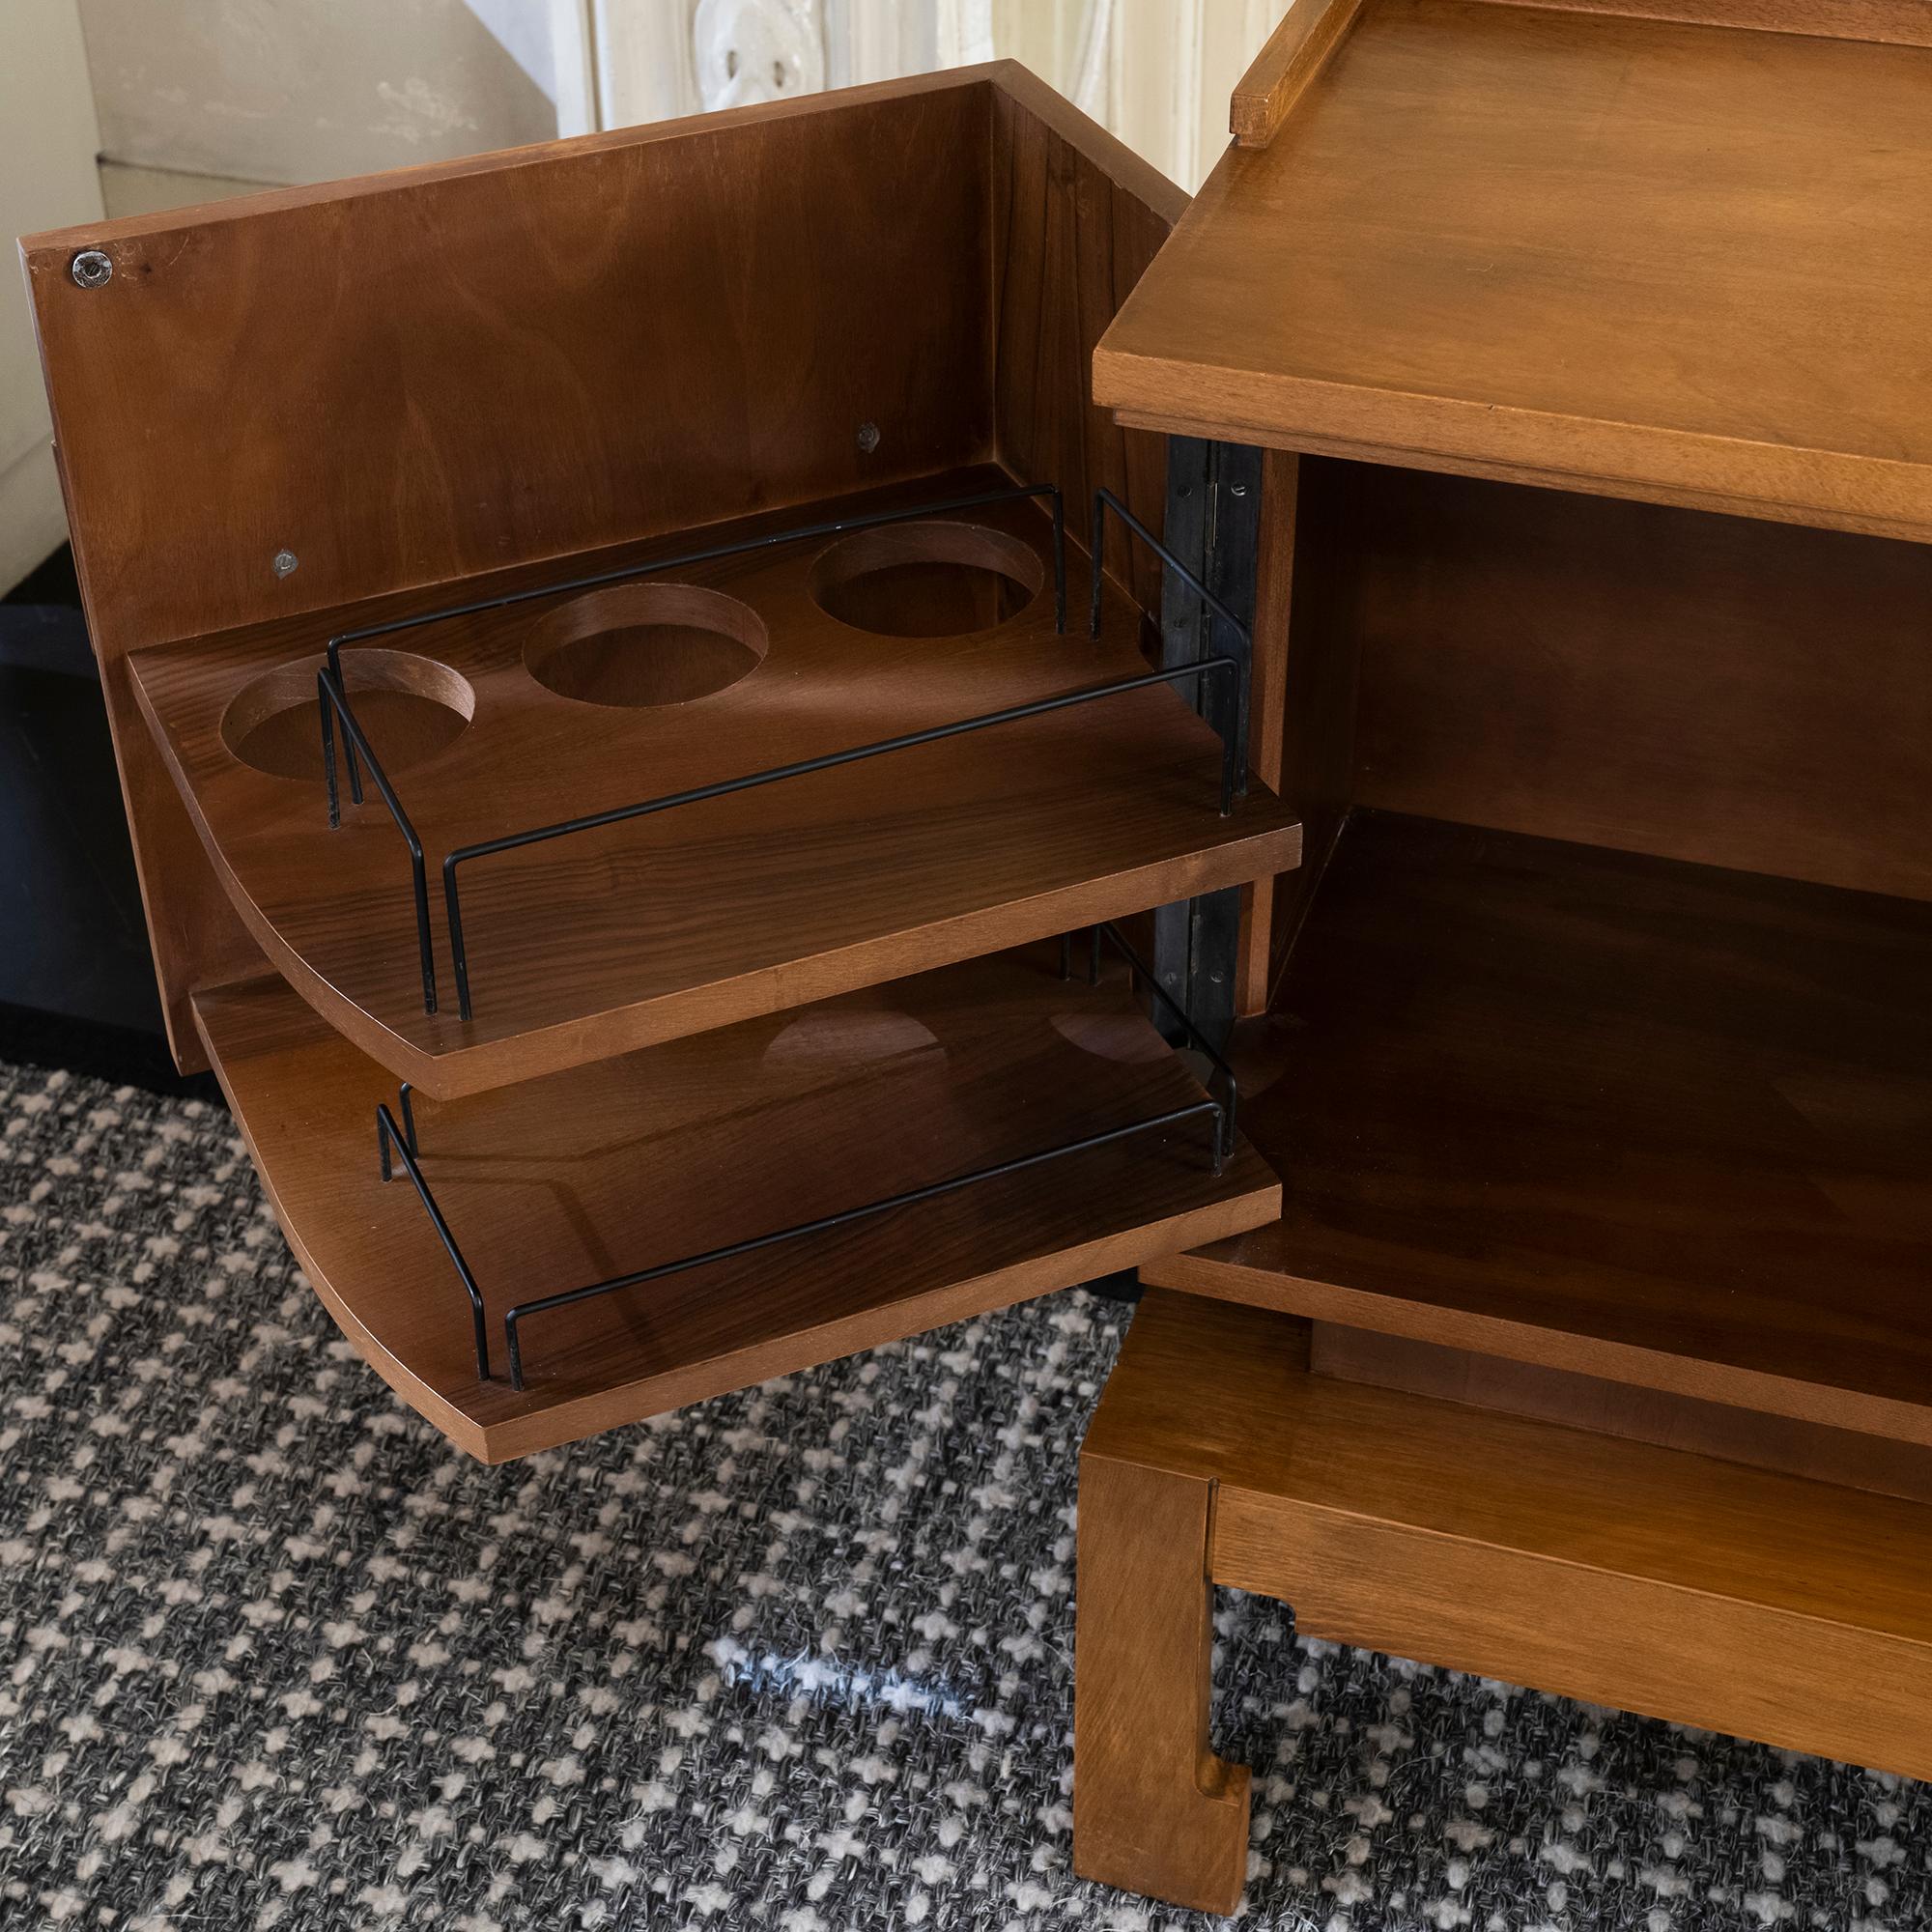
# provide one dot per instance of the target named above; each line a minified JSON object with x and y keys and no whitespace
{"x":1581,"y":351}
{"x":681,"y":779}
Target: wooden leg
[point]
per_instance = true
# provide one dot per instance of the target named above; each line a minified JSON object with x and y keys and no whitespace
{"x":1154,"y":1810}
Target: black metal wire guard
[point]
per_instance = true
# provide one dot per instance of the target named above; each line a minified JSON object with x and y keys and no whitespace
{"x":333,"y":705}
{"x":401,"y":1142}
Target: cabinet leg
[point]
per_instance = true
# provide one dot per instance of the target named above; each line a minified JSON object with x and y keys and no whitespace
{"x":1154,"y":1810}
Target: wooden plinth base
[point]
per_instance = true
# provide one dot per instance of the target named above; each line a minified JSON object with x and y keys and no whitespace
{"x":1683,"y":1586}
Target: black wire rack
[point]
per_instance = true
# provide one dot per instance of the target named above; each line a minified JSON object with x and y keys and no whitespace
{"x":397,"y":1142}
{"x":336,"y":710}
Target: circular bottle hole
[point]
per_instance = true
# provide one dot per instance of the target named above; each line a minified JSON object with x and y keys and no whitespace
{"x":642,"y":644}
{"x":1125,"y":1038}
{"x":926,"y":580}
{"x":409,"y":708}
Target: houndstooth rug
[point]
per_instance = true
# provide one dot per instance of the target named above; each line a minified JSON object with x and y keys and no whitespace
{"x":277,"y":1656}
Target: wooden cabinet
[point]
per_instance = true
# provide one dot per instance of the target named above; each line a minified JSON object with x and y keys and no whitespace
{"x":620,"y":702}
{"x":1585,"y":346}
{"x":689,"y":776}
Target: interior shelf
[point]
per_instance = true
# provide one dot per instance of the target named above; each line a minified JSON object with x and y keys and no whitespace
{"x":650,"y":1158}
{"x":568,"y":706}
{"x":1654,"y":1121}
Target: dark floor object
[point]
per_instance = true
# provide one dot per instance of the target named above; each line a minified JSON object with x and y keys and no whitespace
{"x":76,"y":978}
{"x":120,"y":1056}
{"x":1122,"y":1288}
{"x":54,"y":583}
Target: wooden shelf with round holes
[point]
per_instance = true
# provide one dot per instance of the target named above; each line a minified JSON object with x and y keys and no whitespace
{"x":586,"y":703}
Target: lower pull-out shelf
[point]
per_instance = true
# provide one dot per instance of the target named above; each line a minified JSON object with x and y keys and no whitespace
{"x":637,"y":1163}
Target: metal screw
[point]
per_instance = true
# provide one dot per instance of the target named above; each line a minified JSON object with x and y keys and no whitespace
{"x":92,"y":269}
{"x":868,"y":438}
{"x":285,"y":561}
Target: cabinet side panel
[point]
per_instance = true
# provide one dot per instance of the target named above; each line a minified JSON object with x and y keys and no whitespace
{"x":1076,"y":218}
{"x":1699,"y":687}
{"x":1304,"y":738}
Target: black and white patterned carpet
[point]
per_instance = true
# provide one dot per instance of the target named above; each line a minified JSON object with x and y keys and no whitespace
{"x":275,"y":1656}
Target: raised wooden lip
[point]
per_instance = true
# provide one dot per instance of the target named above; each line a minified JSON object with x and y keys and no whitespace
{"x":303,"y":1100}
{"x":1308,"y":34}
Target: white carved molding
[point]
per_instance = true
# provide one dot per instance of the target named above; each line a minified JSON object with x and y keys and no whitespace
{"x":747,"y":50}
{"x":1158,"y":73}
{"x":573,"y":66}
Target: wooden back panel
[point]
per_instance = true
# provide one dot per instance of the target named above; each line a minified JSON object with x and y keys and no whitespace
{"x":1699,"y":687}
{"x":421,"y":377}
{"x":446,"y":370}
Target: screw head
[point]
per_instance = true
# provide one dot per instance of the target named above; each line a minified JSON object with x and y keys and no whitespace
{"x":868,"y":438}
{"x":90,"y":269}
{"x":285,"y":561}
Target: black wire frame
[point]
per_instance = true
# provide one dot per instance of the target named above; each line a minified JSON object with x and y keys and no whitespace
{"x":400,"y":1143}
{"x":333,"y":705}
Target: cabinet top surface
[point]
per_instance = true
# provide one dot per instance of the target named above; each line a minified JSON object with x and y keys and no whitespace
{"x":1668,"y":259}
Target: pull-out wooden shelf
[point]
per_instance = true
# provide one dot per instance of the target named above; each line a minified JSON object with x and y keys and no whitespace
{"x":663,"y":926}
{"x":701,"y":1143}
{"x":1652,"y":1122}
{"x":1678,"y":1586}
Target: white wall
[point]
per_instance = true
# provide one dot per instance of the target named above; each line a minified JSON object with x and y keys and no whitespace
{"x":47,"y":181}
{"x":292,"y":91}
{"x":198,"y":99}
{"x":1158,"y":73}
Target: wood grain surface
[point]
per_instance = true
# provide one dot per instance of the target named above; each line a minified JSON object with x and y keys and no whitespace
{"x":1674,"y":1584}
{"x":1154,"y":1809}
{"x":652,"y":1157}
{"x":1651,"y":1121}
{"x":419,"y":381}
{"x":1562,"y":247}
{"x":1076,"y":219}
{"x":1734,"y":1435}
{"x":1901,"y":22}
{"x":693,"y":917}
{"x":424,"y":374}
